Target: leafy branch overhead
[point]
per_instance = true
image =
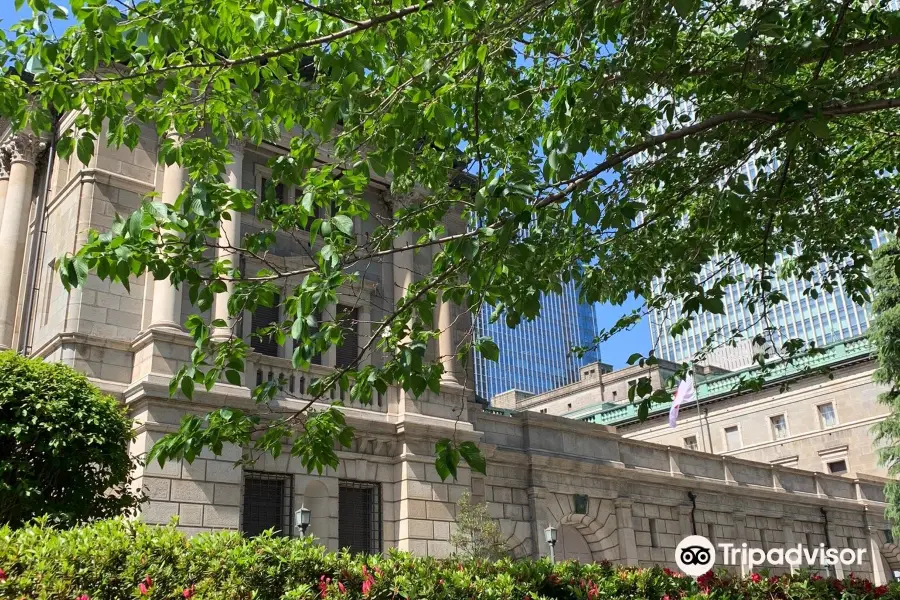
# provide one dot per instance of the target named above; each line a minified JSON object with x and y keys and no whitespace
{"x":612,"y":144}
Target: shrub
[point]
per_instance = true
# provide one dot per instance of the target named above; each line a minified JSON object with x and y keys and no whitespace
{"x":119,"y":560}
{"x":477,"y":535}
{"x":63,"y":446}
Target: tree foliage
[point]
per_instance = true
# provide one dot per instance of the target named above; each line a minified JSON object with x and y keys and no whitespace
{"x":885,"y":335}
{"x":64,"y":446}
{"x":607,"y":142}
{"x":477,"y":534}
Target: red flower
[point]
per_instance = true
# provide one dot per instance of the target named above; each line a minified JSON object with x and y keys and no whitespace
{"x":665,"y":597}
{"x":367,"y":585}
{"x":3,"y":576}
{"x":84,"y":597}
{"x":755,"y":577}
{"x":341,"y":587}
{"x":148,"y":581}
{"x":144,"y":589}
{"x":188,"y":592}
{"x":837,"y":585}
{"x":881,"y":590}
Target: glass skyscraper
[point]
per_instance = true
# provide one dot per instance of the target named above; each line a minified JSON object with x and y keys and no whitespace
{"x":829,"y":318}
{"x":536,"y":356}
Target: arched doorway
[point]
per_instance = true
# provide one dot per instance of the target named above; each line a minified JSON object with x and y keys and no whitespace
{"x":571,"y":545}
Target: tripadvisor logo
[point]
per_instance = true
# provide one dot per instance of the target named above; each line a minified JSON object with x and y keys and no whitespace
{"x":695,"y":555}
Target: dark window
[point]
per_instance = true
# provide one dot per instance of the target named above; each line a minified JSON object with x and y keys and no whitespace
{"x":317,"y":358}
{"x":262,"y":317}
{"x":359,"y":516}
{"x":267,"y":503}
{"x":837,"y":467}
{"x":348,"y":349}
{"x":279,"y":190}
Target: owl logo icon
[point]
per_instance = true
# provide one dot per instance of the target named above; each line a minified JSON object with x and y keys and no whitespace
{"x":695,"y":555}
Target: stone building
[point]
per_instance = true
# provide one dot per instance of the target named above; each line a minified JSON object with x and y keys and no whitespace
{"x":814,"y":414}
{"x":610,"y":497}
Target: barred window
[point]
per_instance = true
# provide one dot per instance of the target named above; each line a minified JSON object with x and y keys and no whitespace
{"x":348,"y":318}
{"x":359,"y":516}
{"x":264,"y":316}
{"x":267,"y":503}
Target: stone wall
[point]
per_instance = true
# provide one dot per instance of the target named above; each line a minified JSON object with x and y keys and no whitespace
{"x":808,"y":444}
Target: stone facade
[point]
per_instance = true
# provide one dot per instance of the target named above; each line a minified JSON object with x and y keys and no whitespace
{"x":611,"y":497}
{"x":816,"y":416}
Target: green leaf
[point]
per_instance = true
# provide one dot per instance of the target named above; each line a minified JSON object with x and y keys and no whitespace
{"x":684,"y":8}
{"x":489,"y":349}
{"x":482,"y":54}
{"x":446,"y":459}
{"x":85,"y":149}
{"x":343,"y":223}
{"x":473,"y":457}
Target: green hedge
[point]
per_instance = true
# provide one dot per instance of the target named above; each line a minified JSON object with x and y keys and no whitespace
{"x":117,"y":559}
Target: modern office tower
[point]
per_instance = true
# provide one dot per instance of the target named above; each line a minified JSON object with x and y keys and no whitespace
{"x":536,"y":356}
{"x":829,"y":318}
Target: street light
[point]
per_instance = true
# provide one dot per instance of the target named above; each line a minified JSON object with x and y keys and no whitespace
{"x":550,"y":536}
{"x":302,"y":516}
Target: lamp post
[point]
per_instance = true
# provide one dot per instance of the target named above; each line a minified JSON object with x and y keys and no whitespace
{"x":302,"y":517}
{"x":550,"y":536}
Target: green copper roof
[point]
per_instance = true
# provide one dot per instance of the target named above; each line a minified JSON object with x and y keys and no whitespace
{"x":720,"y":385}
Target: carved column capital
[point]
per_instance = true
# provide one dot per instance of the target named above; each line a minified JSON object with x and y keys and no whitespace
{"x":235,"y":146}
{"x":5,"y":162}
{"x":24,"y":147}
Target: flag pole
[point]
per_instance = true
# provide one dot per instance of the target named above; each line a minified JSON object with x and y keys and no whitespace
{"x":700,"y":423}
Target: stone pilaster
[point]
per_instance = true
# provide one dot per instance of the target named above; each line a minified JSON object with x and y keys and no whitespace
{"x":23,"y":151}
{"x":628,"y":554}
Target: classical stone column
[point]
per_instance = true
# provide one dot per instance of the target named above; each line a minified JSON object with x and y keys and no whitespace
{"x":166,"y":313}
{"x":446,"y":348}
{"x":404,"y":265}
{"x":23,"y":150}
{"x":229,"y":235}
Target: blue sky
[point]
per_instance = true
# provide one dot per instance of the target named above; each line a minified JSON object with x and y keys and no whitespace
{"x":614,"y":352}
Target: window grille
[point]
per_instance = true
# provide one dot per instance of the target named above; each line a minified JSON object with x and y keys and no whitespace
{"x":264,"y":316}
{"x":268,"y":503}
{"x":359,"y":516}
{"x":349,"y":320}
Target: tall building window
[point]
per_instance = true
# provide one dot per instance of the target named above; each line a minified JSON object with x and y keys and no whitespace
{"x":359,"y":516}
{"x":262,"y":317}
{"x":779,"y":427}
{"x":267,"y":503}
{"x":732,"y":438}
{"x":346,"y":352}
{"x":827,"y":416}
{"x":690,"y":442}
{"x":838,"y":467}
